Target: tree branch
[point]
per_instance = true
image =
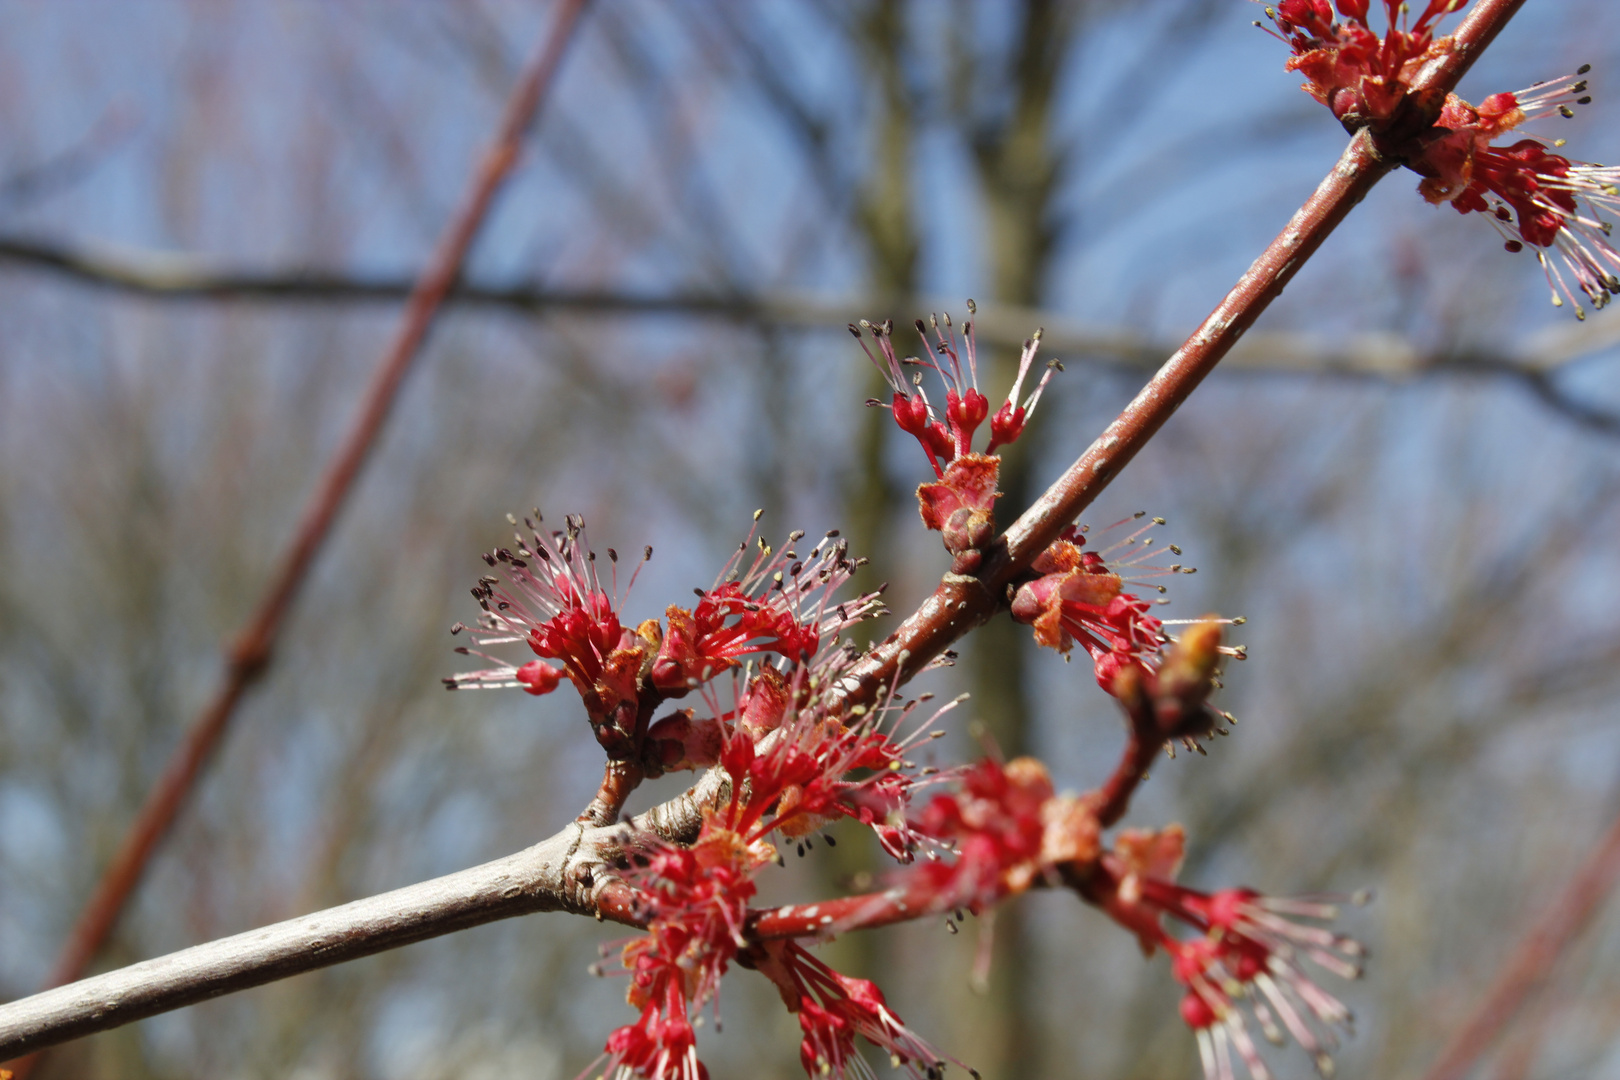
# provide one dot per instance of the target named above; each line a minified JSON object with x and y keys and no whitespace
{"x":555,"y":875}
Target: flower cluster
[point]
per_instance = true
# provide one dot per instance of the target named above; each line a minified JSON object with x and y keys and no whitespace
{"x":1360,"y":75}
{"x":959,"y":503}
{"x":1080,"y":596}
{"x":833,"y":1008}
{"x":798,"y":744}
{"x":699,"y":896}
{"x":553,"y":598}
{"x":1248,"y":958}
{"x":1532,"y":195}
{"x":1006,"y":829}
{"x":789,"y":753}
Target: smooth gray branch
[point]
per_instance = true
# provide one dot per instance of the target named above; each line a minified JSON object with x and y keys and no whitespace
{"x":563,"y":873}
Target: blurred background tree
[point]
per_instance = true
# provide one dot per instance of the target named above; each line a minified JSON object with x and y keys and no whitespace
{"x":1408,"y":487}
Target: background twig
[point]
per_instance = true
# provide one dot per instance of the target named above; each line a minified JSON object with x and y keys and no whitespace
{"x":1533,"y":959}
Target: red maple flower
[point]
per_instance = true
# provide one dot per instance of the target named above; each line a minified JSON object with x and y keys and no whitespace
{"x":662,"y":1045}
{"x":1249,"y":957}
{"x":778,"y":604}
{"x":1360,"y":75}
{"x":1005,"y":829}
{"x":994,"y":825}
{"x":789,"y":763}
{"x":1531,"y":194}
{"x":834,"y":1008}
{"x":553,"y":599}
{"x":803,"y":775}
{"x":698,"y":899}
{"x":947,"y":436}
{"x":1080,"y":597}
{"x":797,"y":760}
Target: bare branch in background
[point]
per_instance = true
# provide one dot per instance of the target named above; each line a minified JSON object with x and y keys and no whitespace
{"x":1531,"y":963}
{"x":167,"y":276}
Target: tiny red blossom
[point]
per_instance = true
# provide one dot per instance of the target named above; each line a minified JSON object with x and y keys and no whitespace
{"x":1248,"y":959}
{"x":553,"y":599}
{"x":834,"y":1008}
{"x":1360,"y":75}
{"x":949,"y":436}
{"x":777,"y":603}
{"x":1533,"y":196}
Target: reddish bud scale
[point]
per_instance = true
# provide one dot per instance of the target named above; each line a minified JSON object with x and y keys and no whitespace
{"x":1361,"y":76}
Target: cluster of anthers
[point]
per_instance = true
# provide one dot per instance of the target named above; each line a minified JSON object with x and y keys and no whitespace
{"x":1534,"y":197}
{"x":797,"y":741}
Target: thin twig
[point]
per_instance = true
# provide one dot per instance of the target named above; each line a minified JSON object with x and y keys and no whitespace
{"x":249,"y":653}
{"x":1534,"y":958}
